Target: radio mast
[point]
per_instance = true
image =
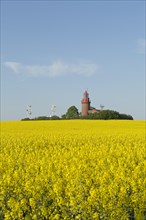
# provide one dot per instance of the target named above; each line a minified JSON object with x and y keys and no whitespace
{"x":53,"y":109}
{"x":29,"y":111}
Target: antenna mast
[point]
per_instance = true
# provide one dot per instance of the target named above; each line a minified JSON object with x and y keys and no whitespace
{"x":53,"y":109}
{"x":29,"y":111}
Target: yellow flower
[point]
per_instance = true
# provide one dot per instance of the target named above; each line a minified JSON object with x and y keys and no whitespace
{"x":32,"y":202}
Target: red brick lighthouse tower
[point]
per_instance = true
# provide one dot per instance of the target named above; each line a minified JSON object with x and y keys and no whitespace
{"x":85,"y":104}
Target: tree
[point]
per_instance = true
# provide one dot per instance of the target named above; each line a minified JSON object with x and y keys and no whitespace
{"x":25,"y":119}
{"x":94,"y":115}
{"x":41,"y":118}
{"x":55,"y":117}
{"x":126,"y":117}
{"x":72,"y":113}
{"x":108,"y":114}
{"x":63,"y":116}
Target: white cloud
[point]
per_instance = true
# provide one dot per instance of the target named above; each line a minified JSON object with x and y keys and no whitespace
{"x":14,"y":66}
{"x":55,"y":69}
{"x":141,"y":46}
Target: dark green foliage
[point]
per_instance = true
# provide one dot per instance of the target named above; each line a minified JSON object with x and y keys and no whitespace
{"x":63,"y":116}
{"x":91,"y":116}
{"x":25,"y":119}
{"x":54,"y":117}
{"x":107,"y":115}
{"x":124,"y":116}
{"x":42,"y":118}
{"x":72,"y":113}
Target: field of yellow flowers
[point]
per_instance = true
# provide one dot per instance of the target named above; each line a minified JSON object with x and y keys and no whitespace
{"x":75,"y":169}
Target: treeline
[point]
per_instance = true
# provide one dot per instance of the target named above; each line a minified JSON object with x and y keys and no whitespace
{"x":73,"y":113}
{"x":108,"y":115}
{"x":54,"y":117}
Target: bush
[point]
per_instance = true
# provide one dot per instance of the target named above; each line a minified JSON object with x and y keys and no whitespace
{"x":107,"y":115}
{"x":42,"y":118}
{"x":54,"y":117}
{"x":124,"y":116}
{"x":25,"y":119}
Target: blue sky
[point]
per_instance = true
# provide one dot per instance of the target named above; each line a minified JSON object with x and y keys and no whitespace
{"x":51,"y":51}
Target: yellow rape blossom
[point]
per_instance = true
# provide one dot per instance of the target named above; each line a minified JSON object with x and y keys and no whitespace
{"x":75,"y":169}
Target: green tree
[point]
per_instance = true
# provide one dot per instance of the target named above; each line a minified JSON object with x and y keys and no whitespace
{"x":25,"y":119}
{"x":55,"y":117}
{"x":72,"y":113}
{"x":63,"y":116}
{"x":41,"y":118}
{"x":126,"y":117}
{"x":94,"y":115}
{"x":108,"y":114}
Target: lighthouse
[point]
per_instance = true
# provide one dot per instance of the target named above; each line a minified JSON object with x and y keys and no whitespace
{"x":85,"y":104}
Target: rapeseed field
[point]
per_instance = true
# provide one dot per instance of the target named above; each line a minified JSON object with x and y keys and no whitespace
{"x":74,"y":169}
